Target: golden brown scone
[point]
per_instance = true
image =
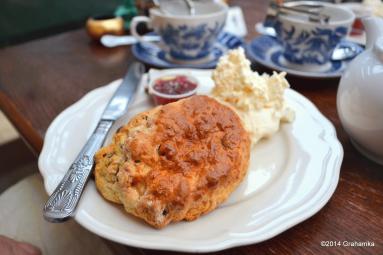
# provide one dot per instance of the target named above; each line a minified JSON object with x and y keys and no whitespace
{"x":175,"y":162}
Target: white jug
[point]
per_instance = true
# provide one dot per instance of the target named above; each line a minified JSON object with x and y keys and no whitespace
{"x":360,"y":94}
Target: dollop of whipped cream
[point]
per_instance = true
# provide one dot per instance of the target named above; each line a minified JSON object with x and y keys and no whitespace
{"x":257,"y":99}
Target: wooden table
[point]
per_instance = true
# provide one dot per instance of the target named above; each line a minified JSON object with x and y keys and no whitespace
{"x":41,"y":78}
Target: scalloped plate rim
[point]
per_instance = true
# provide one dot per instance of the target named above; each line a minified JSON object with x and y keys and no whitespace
{"x":336,"y":159}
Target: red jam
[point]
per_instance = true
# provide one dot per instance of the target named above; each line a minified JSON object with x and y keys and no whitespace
{"x":172,"y":88}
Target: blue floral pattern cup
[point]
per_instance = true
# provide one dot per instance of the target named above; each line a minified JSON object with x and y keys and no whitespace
{"x":185,"y":38}
{"x":307,"y":44}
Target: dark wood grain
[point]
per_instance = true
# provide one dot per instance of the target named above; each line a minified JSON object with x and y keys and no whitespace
{"x":41,"y":78}
{"x":17,"y":162}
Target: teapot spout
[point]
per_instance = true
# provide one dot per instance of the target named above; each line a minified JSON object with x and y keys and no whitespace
{"x":374,"y":29}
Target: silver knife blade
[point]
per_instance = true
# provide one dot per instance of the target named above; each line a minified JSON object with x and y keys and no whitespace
{"x":64,"y":199}
{"x":119,"y":102}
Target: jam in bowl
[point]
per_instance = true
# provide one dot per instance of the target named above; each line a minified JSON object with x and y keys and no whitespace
{"x":170,"y":88}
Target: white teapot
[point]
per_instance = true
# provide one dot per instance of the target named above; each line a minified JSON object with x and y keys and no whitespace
{"x":360,"y":94}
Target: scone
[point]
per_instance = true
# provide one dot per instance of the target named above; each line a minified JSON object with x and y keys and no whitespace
{"x":175,"y":162}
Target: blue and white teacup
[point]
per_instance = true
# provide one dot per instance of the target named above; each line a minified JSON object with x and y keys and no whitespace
{"x":184,"y":37}
{"x":308,"y":45}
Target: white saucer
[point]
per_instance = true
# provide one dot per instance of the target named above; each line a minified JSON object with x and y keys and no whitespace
{"x":291,"y":177}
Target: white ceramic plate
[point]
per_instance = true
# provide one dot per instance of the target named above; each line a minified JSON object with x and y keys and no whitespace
{"x":290,"y":178}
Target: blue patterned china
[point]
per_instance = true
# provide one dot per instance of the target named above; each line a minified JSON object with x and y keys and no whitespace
{"x":308,"y":45}
{"x":268,"y":51}
{"x":153,"y":54}
{"x":186,"y":38}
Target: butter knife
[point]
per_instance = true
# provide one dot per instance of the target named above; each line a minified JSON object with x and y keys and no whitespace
{"x":64,"y":199}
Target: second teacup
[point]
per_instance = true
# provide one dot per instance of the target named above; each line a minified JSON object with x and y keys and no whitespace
{"x":308,"y":45}
{"x":186,"y":37}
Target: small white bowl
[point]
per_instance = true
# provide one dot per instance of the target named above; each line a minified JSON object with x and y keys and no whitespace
{"x":160,"y":98}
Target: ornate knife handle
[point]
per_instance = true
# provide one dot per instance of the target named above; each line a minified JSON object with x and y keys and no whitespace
{"x":63,"y":201}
